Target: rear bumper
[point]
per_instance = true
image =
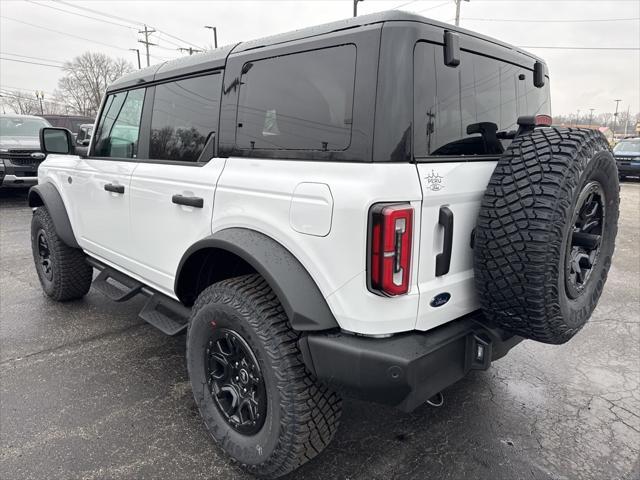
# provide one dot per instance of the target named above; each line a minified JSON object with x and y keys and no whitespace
{"x":407,"y":369}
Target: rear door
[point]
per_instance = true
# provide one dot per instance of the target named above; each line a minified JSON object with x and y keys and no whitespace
{"x":172,"y":192}
{"x":458,"y":111}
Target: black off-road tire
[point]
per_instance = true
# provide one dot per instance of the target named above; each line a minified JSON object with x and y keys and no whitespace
{"x":68,"y":276}
{"x":526,"y":228}
{"x":302,"y":415}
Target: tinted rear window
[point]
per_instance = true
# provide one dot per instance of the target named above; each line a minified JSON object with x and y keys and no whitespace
{"x":459,"y":110}
{"x":301,"y":101}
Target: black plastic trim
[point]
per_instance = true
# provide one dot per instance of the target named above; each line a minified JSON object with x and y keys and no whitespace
{"x":195,"y":202}
{"x":443,"y":260}
{"x":48,"y":196}
{"x":298,"y":293}
{"x":407,"y":369}
{"x":451,"y":49}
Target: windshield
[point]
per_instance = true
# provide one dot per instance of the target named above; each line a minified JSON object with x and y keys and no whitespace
{"x":21,"y":127}
{"x":632,"y":146}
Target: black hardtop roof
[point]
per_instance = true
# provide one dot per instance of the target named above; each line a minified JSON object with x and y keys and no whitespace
{"x":217,"y":58}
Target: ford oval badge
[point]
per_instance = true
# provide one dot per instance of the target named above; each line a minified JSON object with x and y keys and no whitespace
{"x":38,"y":155}
{"x":440,"y":299}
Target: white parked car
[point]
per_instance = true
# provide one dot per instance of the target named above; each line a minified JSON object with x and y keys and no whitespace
{"x":369,"y":208}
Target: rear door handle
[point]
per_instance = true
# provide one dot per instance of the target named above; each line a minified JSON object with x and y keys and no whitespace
{"x":443,"y":260}
{"x":110,"y":187}
{"x":195,"y":202}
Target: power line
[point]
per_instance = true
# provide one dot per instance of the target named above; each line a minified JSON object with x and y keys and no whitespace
{"x":80,"y":14}
{"x":63,"y":33}
{"x":134,"y":22}
{"x":32,"y":58}
{"x":586,"y":20}
{"x":98,"y":12}
{"x":404,"y":4}
{"x":433,"y":8}
{"x":9,"y":88}
{"x":33,"y":63}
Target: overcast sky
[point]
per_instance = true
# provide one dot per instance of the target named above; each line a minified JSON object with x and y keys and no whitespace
{"x":580,"y":79}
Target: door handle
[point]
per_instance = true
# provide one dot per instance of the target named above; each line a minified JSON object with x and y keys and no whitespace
{"x":110,"y":187}
{"x":443,"y":260}
{"x":195,"y":202}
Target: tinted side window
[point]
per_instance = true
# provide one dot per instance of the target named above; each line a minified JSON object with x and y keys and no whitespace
{"x":184,"y":118}
{"x":458,"y":111}
{"x":119,"y":126}
{"x":302,"y":101}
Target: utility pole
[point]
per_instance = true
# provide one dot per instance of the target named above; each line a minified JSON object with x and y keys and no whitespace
{"x":40,"y":96}
{"x":215,"y":35}
{"x":615,"y":118}
{"x":355,"y":7}
{"x":137,"y":50}
{"x":626,"y":124}
{"x":191,"y":50}
{"x":578,"y":118}
{"x":591,"y":116}
{"x":458,"y":2}
{"x":146,"y":42}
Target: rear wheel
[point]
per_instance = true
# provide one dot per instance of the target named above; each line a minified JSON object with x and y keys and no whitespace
{"x":546,"y":233}
{"x":63,"y":271}
{"x":257,"y":400}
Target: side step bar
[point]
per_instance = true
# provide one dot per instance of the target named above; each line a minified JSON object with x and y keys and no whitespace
{"x":116,"y":286}
{"x":167,"y":315}
{"x":161,"y":311}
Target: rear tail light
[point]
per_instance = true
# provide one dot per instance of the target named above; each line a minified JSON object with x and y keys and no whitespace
{"x":544,"y":120}
{"x":390,"y":243}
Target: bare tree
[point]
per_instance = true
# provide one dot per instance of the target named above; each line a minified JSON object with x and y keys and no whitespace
{"x":86,"y":78}
{"x":20,"y":102}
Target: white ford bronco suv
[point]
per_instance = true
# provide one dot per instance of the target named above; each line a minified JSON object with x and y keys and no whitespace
{"x":369,"y":208}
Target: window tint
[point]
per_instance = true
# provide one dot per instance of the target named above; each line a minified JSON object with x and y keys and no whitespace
{"x":119,"y":127}
{"x":458,"y":111}
{"x":302,"y":101}
{"x":185,"y":116}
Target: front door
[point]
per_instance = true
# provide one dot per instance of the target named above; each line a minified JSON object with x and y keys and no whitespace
{"x":100,"y":184}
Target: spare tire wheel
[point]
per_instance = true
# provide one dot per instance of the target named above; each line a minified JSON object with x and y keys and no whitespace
{"x":546,"y":233}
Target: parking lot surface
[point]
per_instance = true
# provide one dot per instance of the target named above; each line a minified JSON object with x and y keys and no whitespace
{"x":88,"y":390}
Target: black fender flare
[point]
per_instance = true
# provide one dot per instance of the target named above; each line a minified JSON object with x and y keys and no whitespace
{"x":47,"y":195}
{"x":298,"y":293}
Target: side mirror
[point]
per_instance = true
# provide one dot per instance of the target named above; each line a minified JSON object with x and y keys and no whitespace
{"x":56,"y":140}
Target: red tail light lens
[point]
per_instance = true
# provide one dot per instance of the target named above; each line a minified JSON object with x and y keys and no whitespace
{"x":390,"y":243}
{"x":544,"y":120}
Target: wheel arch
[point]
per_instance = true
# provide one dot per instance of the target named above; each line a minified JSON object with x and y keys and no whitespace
{"x":47,"y":195}
{"x":238,"y":251}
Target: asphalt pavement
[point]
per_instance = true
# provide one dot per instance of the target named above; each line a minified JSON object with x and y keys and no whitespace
{"x":88,"y":390}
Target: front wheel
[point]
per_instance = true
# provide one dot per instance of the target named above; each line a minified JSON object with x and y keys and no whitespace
{"x":257,"y":400}
{"x":62,"y":270}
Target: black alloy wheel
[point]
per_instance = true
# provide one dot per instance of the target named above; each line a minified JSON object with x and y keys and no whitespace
{"x":44,"y":256}
{"x":235,"y":382}
{"x":583,"y":245}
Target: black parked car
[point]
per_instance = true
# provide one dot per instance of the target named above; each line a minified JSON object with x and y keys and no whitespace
{"x":20,"y":152}
{"x":627,"y":155}
{"x":70,"y":122}
{"x":84,"y":134}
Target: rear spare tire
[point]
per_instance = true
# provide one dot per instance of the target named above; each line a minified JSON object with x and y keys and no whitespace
{"x":546,"y":233}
